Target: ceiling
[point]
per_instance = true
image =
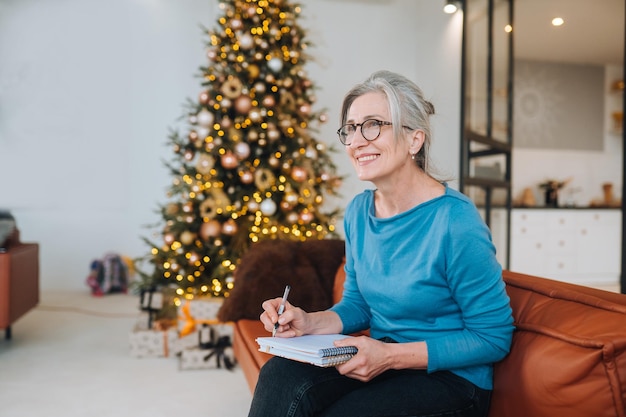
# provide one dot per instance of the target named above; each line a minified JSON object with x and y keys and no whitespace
{"x":593,"y":32}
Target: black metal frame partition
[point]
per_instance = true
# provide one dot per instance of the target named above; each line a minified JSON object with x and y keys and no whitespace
{"x":478,"y":145}
{"x":489,"y":146}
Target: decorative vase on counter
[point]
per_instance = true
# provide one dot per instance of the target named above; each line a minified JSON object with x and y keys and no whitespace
{"x":551,"y":188}
{"x":552,"y":195}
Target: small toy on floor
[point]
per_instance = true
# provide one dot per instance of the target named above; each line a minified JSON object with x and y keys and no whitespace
{"x":108,"y":275}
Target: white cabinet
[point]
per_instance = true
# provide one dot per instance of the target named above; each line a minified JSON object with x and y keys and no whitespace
{"x":582,"y":246}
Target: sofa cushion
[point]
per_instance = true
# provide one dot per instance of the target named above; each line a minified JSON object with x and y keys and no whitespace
{"x":309,"y":267}
{"x":340,"y":278}
{"x":568,"y":355}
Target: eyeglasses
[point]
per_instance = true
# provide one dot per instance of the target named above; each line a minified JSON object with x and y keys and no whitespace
{"x":370,"y":130}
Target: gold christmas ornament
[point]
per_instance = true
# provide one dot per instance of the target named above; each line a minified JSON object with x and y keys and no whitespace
{"x":307,"y":194}
{"x":287,"y":101}
{"x":217,"y":200}
{"x":187,"y":237}
{"x":205,"y":164}
{"x":171,"y":209}
{"x":264,"y":179}
{"x":232,"y":88}
{"x":253,"y":71}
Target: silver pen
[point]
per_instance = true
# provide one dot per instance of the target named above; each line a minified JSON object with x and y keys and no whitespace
{"x":281,"y":309}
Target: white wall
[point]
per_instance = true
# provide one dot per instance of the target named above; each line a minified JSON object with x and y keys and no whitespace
{"x":89,"y":90}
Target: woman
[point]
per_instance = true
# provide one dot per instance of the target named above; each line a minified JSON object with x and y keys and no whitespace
{"x":421,"y":274}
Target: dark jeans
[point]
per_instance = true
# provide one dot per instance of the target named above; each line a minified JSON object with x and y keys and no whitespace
{"x":288,"y":388}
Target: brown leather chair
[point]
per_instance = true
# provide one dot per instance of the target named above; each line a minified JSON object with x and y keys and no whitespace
{"x":19,"y":280}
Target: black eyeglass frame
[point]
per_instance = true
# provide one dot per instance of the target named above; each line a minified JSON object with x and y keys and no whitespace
{"x":381,"y":123}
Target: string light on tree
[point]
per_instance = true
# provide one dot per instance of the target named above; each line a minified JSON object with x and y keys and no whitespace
{"x":247,"y":166}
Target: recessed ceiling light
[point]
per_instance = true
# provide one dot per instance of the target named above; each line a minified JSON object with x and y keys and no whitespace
{"x":450,"y":7}
{"x":557,"y":21}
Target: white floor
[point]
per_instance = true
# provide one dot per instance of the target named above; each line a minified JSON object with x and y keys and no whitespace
{"x":69,"y":357}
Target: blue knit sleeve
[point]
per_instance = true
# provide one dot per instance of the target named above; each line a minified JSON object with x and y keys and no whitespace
{"x":352,"y":308}
{"x":475,"y":280}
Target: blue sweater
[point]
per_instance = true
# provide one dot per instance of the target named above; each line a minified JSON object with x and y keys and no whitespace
{"x":428,"y":274}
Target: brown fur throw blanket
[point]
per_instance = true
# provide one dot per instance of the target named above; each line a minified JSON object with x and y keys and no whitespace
{"x":264,"y":270}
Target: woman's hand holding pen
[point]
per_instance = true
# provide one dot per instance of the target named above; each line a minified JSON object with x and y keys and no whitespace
{"x":291,"y":323}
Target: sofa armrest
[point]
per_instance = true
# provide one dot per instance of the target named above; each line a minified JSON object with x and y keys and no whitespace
{"x":19,"y":282}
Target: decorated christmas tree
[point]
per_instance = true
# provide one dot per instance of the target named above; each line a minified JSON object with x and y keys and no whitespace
{"x":248,"y":166}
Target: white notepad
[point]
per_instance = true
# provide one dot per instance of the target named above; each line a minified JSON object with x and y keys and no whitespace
{"x":317,"y":349}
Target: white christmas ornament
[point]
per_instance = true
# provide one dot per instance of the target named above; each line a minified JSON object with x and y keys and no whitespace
{"x":275,"y":64}
{"x":205,"y":118}
{"x":203,"y":132}
{"x":246,"y":41}
{"x":268,"y":207}
{"x":242,"y":150}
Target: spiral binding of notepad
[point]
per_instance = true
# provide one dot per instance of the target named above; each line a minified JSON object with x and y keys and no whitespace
{"x":334,"y":351}
{"x":337,"y":359}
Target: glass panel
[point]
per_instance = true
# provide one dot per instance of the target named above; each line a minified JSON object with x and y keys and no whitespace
{"x":476,"y":66}
{"x":502,"y":28}
{"x":488,"y":167}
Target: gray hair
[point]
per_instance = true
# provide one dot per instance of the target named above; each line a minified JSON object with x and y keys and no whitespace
{"x":407,"y":107}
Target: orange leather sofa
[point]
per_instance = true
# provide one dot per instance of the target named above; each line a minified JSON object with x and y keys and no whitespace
{"x":568,"y":356}
{"x":19,"y":280}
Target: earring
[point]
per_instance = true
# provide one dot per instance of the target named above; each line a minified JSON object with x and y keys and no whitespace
{"x":413,"y":156}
